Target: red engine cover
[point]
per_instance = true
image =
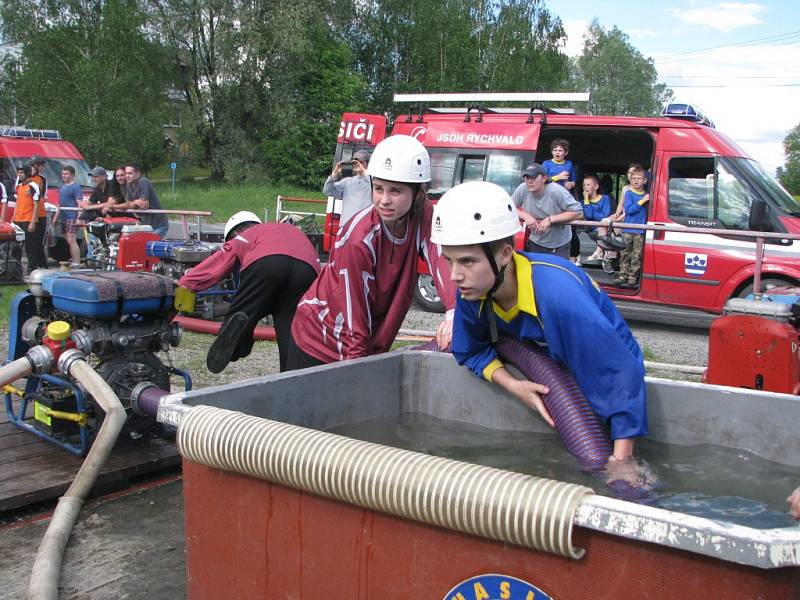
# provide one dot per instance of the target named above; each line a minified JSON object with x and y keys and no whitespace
{"x":132,"y":255}
{"x":754,"y":352}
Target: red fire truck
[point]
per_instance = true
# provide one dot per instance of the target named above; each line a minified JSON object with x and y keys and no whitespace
{"x":700,"y":179}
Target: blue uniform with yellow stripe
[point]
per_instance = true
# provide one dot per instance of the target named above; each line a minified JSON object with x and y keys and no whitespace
{"x":558,"y":304}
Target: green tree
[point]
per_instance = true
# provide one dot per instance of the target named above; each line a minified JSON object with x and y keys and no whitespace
{"x":299,"y":147}
{"x":457,"y":46}
{"x":789,"y":174}
{"x":87,"y":69}
{"x":620,"y":79}
{"x":240,"y":62}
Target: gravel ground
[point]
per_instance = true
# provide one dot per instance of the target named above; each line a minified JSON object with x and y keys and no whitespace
{"x":660,"y":344}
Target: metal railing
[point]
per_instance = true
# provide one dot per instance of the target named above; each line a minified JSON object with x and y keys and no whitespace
{"x":184,"y":215}
{"x":758,"y":237}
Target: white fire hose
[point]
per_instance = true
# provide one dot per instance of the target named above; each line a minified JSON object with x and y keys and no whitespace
{"x":46,"y":570}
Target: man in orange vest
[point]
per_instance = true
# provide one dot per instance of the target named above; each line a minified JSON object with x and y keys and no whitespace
{"x":25,"y":217}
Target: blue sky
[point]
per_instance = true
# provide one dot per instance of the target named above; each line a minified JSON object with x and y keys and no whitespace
{"x":738,"y":61}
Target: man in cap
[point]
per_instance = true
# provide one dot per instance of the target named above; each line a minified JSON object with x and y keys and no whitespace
{"x":98,"y":199}
{"x":546,"y":209}
{"x":355,"y":191}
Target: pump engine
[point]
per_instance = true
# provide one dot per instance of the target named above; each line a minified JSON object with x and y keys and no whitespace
{"x":756,"y":343}
{"x":118,"y":244}
{"x":118,"y":319}
{"x":175,"y":258}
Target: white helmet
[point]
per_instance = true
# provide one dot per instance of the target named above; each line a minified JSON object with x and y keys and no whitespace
{"x":474,"y":213}
{"x":243,"y":216}
{"x":400,"y":158}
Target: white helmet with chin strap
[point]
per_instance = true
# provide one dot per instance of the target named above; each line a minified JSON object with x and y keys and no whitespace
{"x":477,"y":212}
{"x":400,"y":158}
{"x":243,"y":216}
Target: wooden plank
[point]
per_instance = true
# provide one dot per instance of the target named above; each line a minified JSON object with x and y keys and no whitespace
{"x":40,"y":471}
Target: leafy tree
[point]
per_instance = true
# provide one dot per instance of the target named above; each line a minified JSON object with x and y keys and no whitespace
{"x":88,"y":70}
{"x":789,"y":174}
{"x":457,"y":46}
{"x":240,"y":62}
{"x":299,"y":148}
{"x":620,"y":79}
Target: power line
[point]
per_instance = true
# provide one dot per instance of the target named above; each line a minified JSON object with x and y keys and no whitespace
{"x":766,"y":41}
{"x":749,"y":87}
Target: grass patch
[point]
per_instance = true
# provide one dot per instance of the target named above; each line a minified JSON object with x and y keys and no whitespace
{"x":649,"y":355}
{"x":7,"y":293}
{"x":224,"y":200}
{"x":182,"y":172}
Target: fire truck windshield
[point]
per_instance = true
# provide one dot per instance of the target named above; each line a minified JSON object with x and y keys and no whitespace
{"x":450,"y":167}
{"x":759,"y":176}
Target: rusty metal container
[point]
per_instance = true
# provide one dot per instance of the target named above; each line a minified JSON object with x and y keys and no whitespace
{"x":251,"y":538}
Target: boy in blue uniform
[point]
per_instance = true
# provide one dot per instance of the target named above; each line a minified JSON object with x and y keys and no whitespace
{"x":559,"y":169}
{"x":596,"y":207}
{"x":635,"y":211}
{"x":537,"y":298}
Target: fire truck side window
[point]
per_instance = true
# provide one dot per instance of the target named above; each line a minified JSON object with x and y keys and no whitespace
{"x":504,"y":170}
{"x":691,"y":188}
{"x":734,"y":200}
{"x":470,"y":168}
{"x":443,"y":166}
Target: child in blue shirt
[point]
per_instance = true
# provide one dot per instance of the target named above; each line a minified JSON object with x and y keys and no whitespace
{"x":537,"y":298}
{"x":559,"y":169}
{"x":596,"y":207}
{"x":634,"y":211}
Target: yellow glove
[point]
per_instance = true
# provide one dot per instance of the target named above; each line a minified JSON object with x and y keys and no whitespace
{"x":184,"y":299}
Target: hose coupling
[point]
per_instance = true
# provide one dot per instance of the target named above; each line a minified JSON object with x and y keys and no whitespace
{"x":83,"y":341}
{"x":68,"y":358}
{"x":41,"y":359}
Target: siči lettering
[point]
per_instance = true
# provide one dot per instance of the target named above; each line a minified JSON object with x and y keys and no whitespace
{"x":458,"y":596}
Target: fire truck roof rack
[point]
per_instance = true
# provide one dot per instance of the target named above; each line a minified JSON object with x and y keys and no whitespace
{"x":36,"y":134}
{"x":496,"y":97}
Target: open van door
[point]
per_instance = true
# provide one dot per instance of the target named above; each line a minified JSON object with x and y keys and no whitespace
{"x":357,"y":131}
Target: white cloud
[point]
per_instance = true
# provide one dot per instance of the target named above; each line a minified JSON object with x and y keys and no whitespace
{"x":724,"y":16}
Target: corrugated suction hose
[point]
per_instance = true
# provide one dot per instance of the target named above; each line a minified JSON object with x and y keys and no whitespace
{"x":501,"y":505}
{"x":581,"y":430}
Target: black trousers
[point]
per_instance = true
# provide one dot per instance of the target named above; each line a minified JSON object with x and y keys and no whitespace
{"x":34,"y":243}
{"x":299,"y":359}
{"x":272,"y":285}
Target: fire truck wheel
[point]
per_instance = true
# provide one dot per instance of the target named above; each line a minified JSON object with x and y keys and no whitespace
{"x":767,"y":284}
{"x":426,"y":295}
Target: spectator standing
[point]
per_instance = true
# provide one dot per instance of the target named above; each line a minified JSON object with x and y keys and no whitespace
{"x":25,"y":212}
{"x":70,"y":196}
{"x":546,"y":209}
{"x":140,"y":193}
{"x":355,"y":191}
{"x":8,"y":206}
{"x":4,"y":202}
{"x":37,"y":175}
{"x":634,"y":211}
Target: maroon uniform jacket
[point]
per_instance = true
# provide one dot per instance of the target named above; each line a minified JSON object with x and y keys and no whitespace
{"x":357,"y":304}
{"x":256,"y":242}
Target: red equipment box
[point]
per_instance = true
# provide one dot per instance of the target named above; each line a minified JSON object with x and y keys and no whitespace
{"x":755,"y":346}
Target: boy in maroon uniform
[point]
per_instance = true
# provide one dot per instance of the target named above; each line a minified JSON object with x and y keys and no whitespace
{"x":357,"y":304}
{"x":277,"y":262}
